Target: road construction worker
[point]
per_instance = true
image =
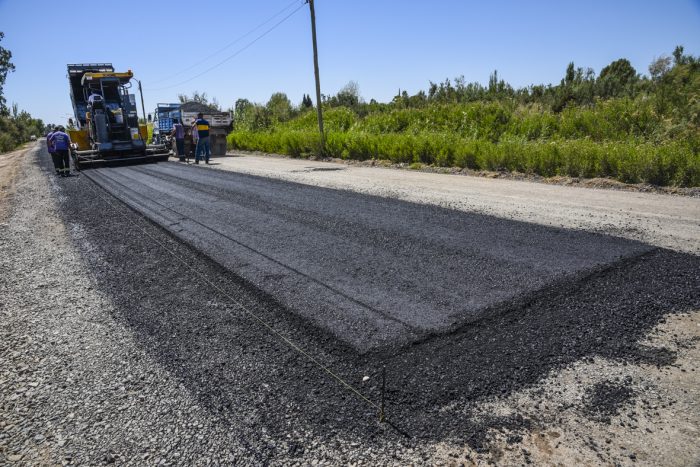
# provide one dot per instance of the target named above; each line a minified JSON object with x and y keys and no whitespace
{"x":179,"y":134}
{"x":94,"y":97}
{"x":195,"y":140}
{"x":52,"y":151}
{"x":203,"y":142}
{"x":61,"y":143}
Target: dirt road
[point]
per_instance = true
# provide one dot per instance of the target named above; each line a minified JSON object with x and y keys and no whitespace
{"x":10,"y":164}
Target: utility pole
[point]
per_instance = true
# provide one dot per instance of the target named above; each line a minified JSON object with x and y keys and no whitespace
{"x":143,"y":107}
{"x":319,"y":111}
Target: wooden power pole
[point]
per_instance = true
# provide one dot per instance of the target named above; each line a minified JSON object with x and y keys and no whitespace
{"x":319,"y":111}
{"x":143,"y":107}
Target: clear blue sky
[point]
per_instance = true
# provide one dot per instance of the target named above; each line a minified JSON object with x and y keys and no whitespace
{"x":382,"y":45}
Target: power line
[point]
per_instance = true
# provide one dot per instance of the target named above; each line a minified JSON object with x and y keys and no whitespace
{"x":227,"y":45}
{"x":238,"y":52}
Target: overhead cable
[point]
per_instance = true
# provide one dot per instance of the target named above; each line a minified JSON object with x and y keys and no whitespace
{"x":238,"y":52}
{"x":237,"y":40}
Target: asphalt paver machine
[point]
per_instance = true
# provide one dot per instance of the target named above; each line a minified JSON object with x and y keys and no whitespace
{"x":106,"y":126}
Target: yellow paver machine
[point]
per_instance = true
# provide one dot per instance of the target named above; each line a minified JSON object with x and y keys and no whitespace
{"x":106,"y":126}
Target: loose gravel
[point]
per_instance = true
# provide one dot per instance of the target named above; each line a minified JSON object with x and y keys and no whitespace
{"x":111,"y":351}
{"x":607,"y":397}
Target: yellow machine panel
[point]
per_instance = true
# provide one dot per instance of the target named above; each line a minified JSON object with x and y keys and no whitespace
{"x":80,"y":137}
{"x":143,"y":130}
{"x":124,"y":77}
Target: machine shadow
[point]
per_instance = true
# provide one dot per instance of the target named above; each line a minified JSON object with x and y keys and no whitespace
{"x":238,"y":369}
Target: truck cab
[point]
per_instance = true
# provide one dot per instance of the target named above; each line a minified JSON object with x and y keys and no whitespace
{"x":164,"y":118}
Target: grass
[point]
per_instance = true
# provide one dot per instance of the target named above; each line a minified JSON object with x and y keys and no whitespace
{"x":623,"y":139}
{"x":630,"y":161}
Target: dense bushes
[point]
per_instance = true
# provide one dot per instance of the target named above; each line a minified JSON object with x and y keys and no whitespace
{"x":632,"y":161}
{"x":620,"y":138}
{"x":17,"y":129}
{"x":619,"y":125}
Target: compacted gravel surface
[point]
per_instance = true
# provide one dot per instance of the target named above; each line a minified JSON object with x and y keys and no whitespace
{"x":121,"y":343}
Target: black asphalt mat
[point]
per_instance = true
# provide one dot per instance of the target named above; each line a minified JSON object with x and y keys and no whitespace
{"x":243,"y":373}
{"x":373,"y":272}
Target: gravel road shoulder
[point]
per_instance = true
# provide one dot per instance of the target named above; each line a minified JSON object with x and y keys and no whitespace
{"x":76,"y":388}
{"x":9,"y":168}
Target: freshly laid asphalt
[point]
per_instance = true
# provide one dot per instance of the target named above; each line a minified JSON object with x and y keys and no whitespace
{"x":373,"y":272}
{"x":569,"y":299}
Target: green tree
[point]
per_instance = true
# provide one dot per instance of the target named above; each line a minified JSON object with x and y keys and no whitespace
{"x":678,"y":90}
{"x":306,"y":102}
{"x":678,"y":55}
{"x":570,"y":75}
{"x":617,"y":79}
{"x":200,"y":98}
{"x":17,"y":126}
{"x":6,"y":66}
{"x":566,"y":93}
{"x":279,"y":107}
{"x":16,"y":129}
{"x":498,"y":88}
{"x":349,"y":95}
{"x":195,"y":97}
{"x":244,"y":115}
{"x":241,"y":107}
{"x":659,"y":67}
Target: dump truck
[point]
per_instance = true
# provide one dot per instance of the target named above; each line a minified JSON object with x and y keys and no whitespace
{"x":164,"y":117}
{"x":220,"y":125}
{"x":106,"y":126}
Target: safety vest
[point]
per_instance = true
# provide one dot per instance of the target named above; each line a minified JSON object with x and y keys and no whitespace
{"x":202,"y":127}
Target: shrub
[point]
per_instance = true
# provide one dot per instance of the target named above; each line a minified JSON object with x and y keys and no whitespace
{"x":623,"y":138}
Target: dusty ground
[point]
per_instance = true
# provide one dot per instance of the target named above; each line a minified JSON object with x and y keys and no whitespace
{"x":606,"y":412}
{"x":9,"y":166}
{"x":96,"y":368}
